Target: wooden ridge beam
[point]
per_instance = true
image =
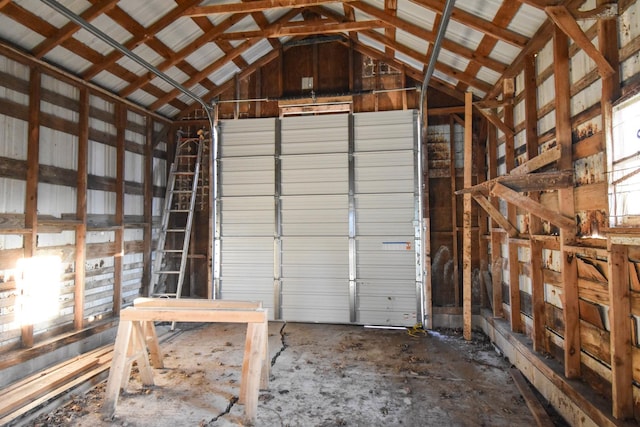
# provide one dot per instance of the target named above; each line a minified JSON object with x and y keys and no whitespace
{"x":534,"y":207}
{"x":567,"y":23}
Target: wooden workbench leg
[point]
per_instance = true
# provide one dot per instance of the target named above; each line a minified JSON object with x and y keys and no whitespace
{"x":119,"y":364}
{"x":140,"y":347}
{"x":251,"y":368}
{"x":151,"y":338}
{"x":266,"y":362}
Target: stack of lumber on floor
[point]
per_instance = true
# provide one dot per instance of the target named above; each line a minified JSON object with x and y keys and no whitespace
{"x":29,"y":393}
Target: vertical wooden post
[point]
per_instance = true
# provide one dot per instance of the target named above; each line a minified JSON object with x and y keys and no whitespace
{"x":31,"y":202}
{"x":570,"y":305}
{"x":483,"y":217}
{"x":514,"y":264}
{"x":468,"y":174}
{"x":620,"y":321}
{"x":496,"y":251}
{"x":147,"y":212}
{"x":538,"y":333}
{"x":454,"y":211}
{"x":121,"y":123}
{"x":258,"y":104}
{"x":81,"y":209}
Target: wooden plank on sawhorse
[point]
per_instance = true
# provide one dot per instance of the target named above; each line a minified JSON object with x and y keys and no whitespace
{"x":136,"y":333}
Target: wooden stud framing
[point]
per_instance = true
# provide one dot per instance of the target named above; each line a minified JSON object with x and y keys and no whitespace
{"x":514,"y":267}
{"x":496,"y":249}
{"x":147,"y":212}
{"x":81,"y":209}
{"x":454,"y":212}
{"x":570,"y":308}
{"x":620,"y":334}
{"x":121,"y":123}
{"x":466,"y":219}
{"x":31,"y":202}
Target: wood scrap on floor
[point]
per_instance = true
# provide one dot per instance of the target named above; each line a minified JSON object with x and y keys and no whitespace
{"x":537,"y":410}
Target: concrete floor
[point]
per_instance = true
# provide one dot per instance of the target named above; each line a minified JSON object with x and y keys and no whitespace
{"x":322,"y":375}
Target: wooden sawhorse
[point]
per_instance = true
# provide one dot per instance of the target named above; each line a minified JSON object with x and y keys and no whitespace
{"x":136,"y":334}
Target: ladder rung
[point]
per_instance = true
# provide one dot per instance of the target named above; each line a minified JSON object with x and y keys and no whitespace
{"x":176,"y":230}
{"x":183,"y":173}
{"x":187,"y":156}
{"x":179,"y":210}
{"x":182,"y":191}
{"x":167,"y":272}
{"x":171,"y":251}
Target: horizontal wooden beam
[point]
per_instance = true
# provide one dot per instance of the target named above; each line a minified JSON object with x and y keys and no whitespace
{"x":256,"y":6}
{"x":535,"y":163}
{"x":302,"y":29}
{"x":532,"y":207}
{"x":194,"y":314}
{"x":543,"y":181}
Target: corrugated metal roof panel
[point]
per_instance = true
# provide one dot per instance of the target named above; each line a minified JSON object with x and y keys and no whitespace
{"x":18,"y":34}
{"x":453,"y":60}
{"x":412,"y":42}
{"x":246,"y":24}
{"x":68,"y":60}
{"x":527,"y":20}
{"x":504,"y":52}
{"x":204,"y":56}
{"x":275,"y":14}
{"x":168,"y":111}
{"x":485,"y":9}
{"x":109,"y":27}
{"x":463,"y":35}
{"x":147,"y":12}
{"x":224,"y":73}
{"x":51,"y":16}
{"x":141,"y":97}
{"x":257,"y":51}
{"x":179,"y":34}
{"x":109,"y":81}
{"x":488,"y":75}
{"x":414,"y":14}
{"x":418,"y":66}
{"x":146,"y":53}
{"x":370,"y":42}
{"x":445,"y":78}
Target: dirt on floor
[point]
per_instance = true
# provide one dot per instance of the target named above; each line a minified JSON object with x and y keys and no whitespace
{"x":321,"y":375}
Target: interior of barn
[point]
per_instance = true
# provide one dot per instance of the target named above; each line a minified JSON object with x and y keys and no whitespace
{"x":351,"y":175}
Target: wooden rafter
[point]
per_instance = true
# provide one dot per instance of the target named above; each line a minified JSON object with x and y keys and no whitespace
{"x":69,"y":29}
{"x":183,"y":53}
{"x":489,"y":28}
{"x":138,"y":38}
{"x":429,"y":36}
{"x":495,"y":214}
{"x":493,"y":118}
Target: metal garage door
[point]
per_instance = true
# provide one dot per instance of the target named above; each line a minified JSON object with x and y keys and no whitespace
{"x":247,"y":211}
{"x":387,"y":208}
{"x":319,"y":217}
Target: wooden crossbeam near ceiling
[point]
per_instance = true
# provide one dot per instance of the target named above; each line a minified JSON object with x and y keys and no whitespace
{"x":305,"y":29}
{"x":256,"y":6}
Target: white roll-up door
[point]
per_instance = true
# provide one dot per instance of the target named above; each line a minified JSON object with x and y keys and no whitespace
{"x":320,"y":217}
{"x":247,"y":211}
{"x":386,"y":213}
{"x":314,"y":204}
